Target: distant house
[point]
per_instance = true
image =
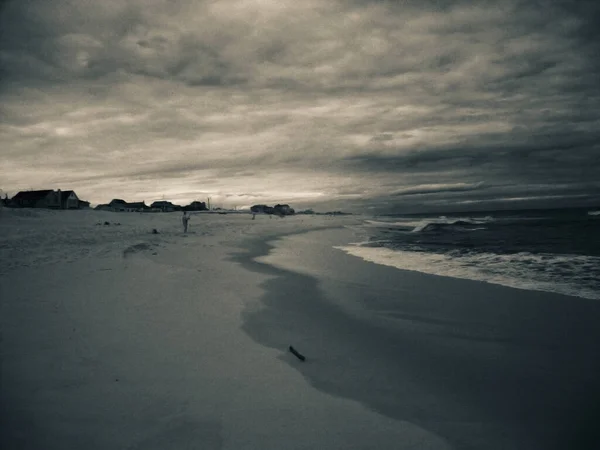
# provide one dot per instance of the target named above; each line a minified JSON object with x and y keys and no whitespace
{"x":164,"y":206}
{"x":137,"y":206}
{"x":262,"y":209}
{"x":46,"y":198}
{"x":283,"y":210}
{"x":83,"y":204}
{"x":195,"y":206}
{"x":280,"y":210}
{"x":118,"y":205}
{"x":36,"y":199}
{"x":68,"y":200}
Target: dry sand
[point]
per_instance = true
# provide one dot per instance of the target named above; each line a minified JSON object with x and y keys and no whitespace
{"x":117,"y":338}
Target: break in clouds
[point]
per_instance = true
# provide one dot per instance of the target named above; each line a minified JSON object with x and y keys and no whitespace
{"x":418,"y":105}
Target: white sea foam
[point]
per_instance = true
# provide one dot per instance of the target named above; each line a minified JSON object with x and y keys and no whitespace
{"x":593,"y":213}
{"x":420,"y":225}
{"x":575,"y":275}
{"x":443,"y":220}
{"x":379,"y":223}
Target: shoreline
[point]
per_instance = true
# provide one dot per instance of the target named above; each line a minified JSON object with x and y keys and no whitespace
{"x":136,"y":342}
{"x":511,"y":282}
{"x":482,"y":365}
{"x":115,"y":337}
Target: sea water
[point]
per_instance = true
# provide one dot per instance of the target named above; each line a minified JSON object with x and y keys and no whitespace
{"x":546,"y":250}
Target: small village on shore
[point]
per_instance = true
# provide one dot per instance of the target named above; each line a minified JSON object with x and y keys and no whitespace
{"x":59,"y":199}
{"x":69,"y":200}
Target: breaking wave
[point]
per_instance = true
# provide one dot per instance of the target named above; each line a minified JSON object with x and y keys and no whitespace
{"x":575,"y":275}
{"x":458,"y":224}
{"x":383,"y":224}
{"x":441,"y":223}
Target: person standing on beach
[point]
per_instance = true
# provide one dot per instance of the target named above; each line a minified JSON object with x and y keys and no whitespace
{"x":185,"y":219}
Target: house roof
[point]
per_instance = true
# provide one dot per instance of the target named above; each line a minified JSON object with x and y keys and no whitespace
{"x":64,"y":195}
{"x":32,"y":195}
{"x":136,"y":205}
{"x":163,"y":202}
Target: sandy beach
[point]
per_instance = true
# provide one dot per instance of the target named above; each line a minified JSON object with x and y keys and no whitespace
{"x":117,"y":338}
{"x":482,"y":365}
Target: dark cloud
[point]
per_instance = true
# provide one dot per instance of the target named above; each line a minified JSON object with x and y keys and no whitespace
{"x":388,"y":101}
{"x":437,"y":189}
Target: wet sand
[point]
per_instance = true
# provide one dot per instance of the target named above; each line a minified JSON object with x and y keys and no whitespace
{"x":483,"y":366}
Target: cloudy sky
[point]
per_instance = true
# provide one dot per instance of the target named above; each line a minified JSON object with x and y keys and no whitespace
{"x":406,"y":105}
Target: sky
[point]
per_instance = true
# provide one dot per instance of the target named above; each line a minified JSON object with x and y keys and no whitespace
{"x":404,"y":106}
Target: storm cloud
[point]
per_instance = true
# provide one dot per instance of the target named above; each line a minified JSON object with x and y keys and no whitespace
{"x":394,"y":104}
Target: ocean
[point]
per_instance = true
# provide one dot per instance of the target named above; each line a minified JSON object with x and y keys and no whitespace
{"x":547,"y":250}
